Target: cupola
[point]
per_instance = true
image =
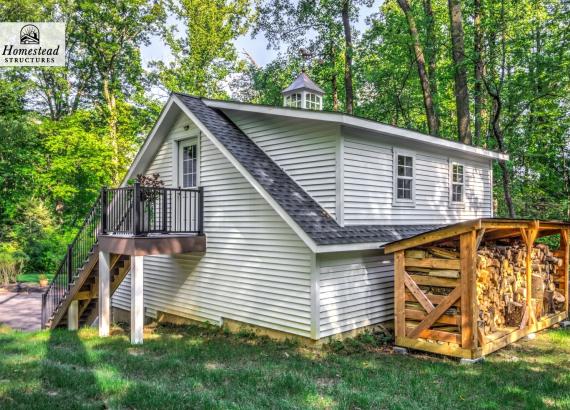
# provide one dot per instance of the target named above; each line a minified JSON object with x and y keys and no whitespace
{"x":303,"y":93}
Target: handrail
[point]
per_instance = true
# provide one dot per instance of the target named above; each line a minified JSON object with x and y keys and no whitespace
{"x":74,"y":259}
{"x":135,"y":211}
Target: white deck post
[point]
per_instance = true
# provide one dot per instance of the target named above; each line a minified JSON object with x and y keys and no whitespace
{"x":73,"y":315}
{"x":104,"y":293}
{"x":137,"y":300}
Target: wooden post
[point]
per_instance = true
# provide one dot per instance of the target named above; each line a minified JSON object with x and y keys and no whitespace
{"x":565,"y":247}
{"x":399,"y":295}
{"x":531,"y":234}
{"x":137,"y":300}
{"x":469,"y":308}
{"x":73,"y":315}
{"x":104,"y":293}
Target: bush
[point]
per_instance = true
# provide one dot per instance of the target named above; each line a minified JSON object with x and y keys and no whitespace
{"x":12,"y":262}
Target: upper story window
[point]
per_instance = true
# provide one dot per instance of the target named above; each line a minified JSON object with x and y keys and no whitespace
{"x":457,"y":183}
{"x":312,"y":101}
{"x":294,"y":100}
{"x":404,"y":174}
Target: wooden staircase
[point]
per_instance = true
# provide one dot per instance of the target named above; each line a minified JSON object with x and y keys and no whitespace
{"x":85,"y":289}
{"x":123,"y":222}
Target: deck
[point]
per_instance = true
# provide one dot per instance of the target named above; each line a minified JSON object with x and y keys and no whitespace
{"x":124,"y":225}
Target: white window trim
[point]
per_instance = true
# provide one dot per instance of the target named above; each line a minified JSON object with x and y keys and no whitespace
{"x":399,"y":202}
{"x":452,"y":204}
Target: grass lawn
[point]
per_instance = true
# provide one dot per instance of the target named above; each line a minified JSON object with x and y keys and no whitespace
{"x":193,"y":367}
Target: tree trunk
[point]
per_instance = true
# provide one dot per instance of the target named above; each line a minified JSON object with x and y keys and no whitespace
{"x":334,"y":84}
{"x":498,"y":134}
{"x":458,"y":54}
{"x":431,"y":51}
{"x":431,"y":116}
{"x":349,"y":95}
{"x":113,"y":132}
{"x":479,"y":67}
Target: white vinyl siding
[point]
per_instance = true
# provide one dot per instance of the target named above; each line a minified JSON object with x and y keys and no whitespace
{"x":369,"y":186}
{"x":305,"y":150}
{"x":356,"y":290}
{"x":255,"y":269}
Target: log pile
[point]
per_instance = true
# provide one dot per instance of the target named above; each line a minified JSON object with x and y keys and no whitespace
{"x":502,"y":283}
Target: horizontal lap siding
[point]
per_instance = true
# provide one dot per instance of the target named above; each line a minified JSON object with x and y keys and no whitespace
{"x":356,"y":290}
{"x":305,"y":150}
{"x":368,"y":184}
{"x":255,"y":269}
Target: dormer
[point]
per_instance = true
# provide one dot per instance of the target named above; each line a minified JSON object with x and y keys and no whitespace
{"x":303,"y":93}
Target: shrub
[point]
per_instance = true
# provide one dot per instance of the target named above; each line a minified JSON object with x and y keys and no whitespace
{"x":12,"y":262}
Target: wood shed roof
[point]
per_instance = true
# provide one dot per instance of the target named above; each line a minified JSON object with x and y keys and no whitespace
{"x":488,"y":229}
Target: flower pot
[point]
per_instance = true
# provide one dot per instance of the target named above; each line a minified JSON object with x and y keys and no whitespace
{"x":43,"y":283}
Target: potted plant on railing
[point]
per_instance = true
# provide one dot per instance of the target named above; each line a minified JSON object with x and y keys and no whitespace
{"x":150,"y":194}
{"x":43,"y":279}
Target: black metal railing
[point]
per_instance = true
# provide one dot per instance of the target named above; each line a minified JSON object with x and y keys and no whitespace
{"x":140,"y":210}
{"x":134,"y":211}
{"x":78,"y":252}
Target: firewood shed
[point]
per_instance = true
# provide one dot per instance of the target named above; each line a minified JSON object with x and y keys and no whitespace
{"x":469,"y":289}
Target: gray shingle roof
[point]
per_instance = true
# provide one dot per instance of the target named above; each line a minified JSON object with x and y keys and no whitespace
{"x":303,"y":82}
{"x":303,"y":209}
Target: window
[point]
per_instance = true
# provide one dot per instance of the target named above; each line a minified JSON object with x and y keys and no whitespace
{"x":404,"y":178}
{"x":293,"y":100}
{"x":189,"y":165}
{"x":457,"y":183}
{"x":313,"y":102}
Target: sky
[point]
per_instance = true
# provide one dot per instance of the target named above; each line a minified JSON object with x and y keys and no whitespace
{"x":256,"y":47}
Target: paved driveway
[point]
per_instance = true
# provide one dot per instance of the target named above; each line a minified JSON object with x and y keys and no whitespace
{"x":21,"y":310}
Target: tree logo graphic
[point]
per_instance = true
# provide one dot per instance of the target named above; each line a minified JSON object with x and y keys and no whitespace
{"x":29,"y":34}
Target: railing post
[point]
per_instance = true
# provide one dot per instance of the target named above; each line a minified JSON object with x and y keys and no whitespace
{"x":69,"y":265}
{"x":104,"y":210}
{"x":43,"y":318}
{"x":137,"y":208}
{"x":164,"y":211}
{"x":201,"y":210}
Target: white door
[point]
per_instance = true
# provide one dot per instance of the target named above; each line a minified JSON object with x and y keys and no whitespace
{"x":188,"y":163}
{"x":187,"y":202}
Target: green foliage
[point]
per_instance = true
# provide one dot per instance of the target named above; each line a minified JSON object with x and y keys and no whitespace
{"x":205,"y":56}
{"x":12,"y":261}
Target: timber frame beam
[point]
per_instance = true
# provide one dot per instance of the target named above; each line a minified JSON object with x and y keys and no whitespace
{"x":426,"y":321}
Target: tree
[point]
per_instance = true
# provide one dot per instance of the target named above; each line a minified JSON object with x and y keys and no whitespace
{"x":205,"y":56}
{"x":111,"y":33}
{"x":295,"y":23}
{"x":460,"y":72}
{"x":431,"y":115}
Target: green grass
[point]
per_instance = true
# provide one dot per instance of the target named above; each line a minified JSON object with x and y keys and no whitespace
{"x":32,"y":277}
{"x":193,"y":367}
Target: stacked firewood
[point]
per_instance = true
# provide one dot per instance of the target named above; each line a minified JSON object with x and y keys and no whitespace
{"x":502,"y":284}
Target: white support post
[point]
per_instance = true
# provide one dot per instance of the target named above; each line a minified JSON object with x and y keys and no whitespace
{"x":73,"y":315}
{"x":104,"y":293}
{"x":137,"y":300}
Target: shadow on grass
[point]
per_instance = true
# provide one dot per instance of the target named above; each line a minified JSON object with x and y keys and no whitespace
{"x":194,"y":367}
{"x":67,"y":372}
